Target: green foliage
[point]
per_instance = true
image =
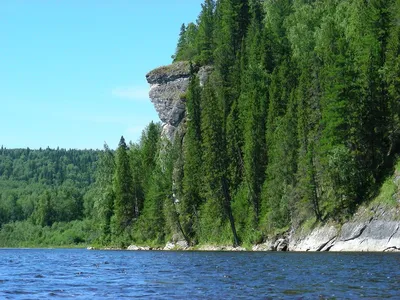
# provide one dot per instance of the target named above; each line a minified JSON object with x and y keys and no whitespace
{"x":45,"y":186}
{"x":186,"y":48}
{"x":389,"y":191}
{"x":25,"y":234}
{"x":298,"y":123}
{"x":103,"y":193}
{"x":301,"y":121}
{"x":205,"y":35}
{"x":123,"y":189}
{"x":44,"y":211}
{"x":191,"y":197}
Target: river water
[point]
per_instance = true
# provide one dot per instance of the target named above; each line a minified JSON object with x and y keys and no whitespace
{"x":83,"y":274}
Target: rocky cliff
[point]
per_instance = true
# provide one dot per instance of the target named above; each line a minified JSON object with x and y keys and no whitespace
{"x":168,"y":85}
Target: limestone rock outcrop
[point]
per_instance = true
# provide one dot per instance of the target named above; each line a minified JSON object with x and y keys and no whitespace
{"x":377,"y":235}
{"x":266,"y":246}
{"x":138,"y":248}
{"x":220,"y":248}
{"x":168,"y":86}
{"x":356,"y":235}
{"x":320,"y":239}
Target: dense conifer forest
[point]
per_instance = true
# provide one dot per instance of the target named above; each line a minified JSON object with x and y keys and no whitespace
{"x":298,"y":122}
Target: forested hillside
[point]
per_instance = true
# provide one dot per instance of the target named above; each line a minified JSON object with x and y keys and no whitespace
{"x":300,"y":118}
{"x":39,"y":188}
{"x":298,"y":122}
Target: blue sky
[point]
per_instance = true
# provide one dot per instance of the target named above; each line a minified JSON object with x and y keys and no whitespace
{"x":72,"y":72}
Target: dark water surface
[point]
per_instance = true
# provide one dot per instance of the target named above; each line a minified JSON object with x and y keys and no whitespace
{"x":83,"y":274}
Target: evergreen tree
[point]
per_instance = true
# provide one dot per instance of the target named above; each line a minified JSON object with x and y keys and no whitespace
{"x":338,"y":172}
{"x":253,"y":107}
{"x":391,"y":71}
{"x":281,"y":141}
{"x":123,"y":189}
{"x":186,"y":49}
{"x":135,"y":155}
{"x":217,"y":209}
{"x":105,"y":196}
{"x":191,"y":198}
{"x":205,"y":35}
{"x":149,"y":145}
{"x":159,"y":198}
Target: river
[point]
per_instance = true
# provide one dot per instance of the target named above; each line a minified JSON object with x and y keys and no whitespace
{"x":83,"y":274}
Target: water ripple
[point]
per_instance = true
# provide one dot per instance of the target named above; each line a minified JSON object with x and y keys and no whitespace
{"x":81,"y":274}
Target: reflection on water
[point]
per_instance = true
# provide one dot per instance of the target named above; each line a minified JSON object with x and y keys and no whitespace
{"x":82,"y":274}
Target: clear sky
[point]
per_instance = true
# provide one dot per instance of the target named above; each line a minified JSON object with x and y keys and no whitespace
{"x":72,"y":72}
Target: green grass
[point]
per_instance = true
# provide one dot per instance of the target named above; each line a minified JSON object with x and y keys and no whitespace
{"x":389,"y":191}
{"x":182,"y":67}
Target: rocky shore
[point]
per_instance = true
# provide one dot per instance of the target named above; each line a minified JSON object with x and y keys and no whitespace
{"x":376,"y":228}
{"x":373,"y":235}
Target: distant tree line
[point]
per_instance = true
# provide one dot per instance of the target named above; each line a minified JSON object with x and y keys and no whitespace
{"x":45,"y":186}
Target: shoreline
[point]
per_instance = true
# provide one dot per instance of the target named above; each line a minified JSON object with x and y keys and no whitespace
{"x":379,"y":233}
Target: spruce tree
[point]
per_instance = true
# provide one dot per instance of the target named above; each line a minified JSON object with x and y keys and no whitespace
{"x":135,"y":155}
{"x":218,"y":205}
{"x":253,"y":107}
{"x":124,"y":205}
{"x":281,"y":141}
{"x":392,"y":69}
{"x":205,"y":35}
{"x":149,"y":145}
{"x":191,"y":198}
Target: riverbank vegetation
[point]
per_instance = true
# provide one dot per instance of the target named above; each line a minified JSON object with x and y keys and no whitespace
{"x":298,"y":121}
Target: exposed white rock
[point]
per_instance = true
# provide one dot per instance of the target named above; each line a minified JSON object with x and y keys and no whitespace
{"x":315,"y":241}
{"x":375,"y":236}
{"x":168,"y":131}
{"x":164,"y":74}
{"x":181,"y":245}
{"x":267,"y":246}
{"x":220,"y":248}
{"x":132,"y":248}
{"x":281,"y":244}
{"x":169,"y":246}
{"x":138,"y":248}
{"x":204,"y":73}
{"x":231,"y":248}
{"x":169,"y":101}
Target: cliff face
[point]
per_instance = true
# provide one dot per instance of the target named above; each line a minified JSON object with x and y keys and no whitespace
{"x":168,"y":85}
